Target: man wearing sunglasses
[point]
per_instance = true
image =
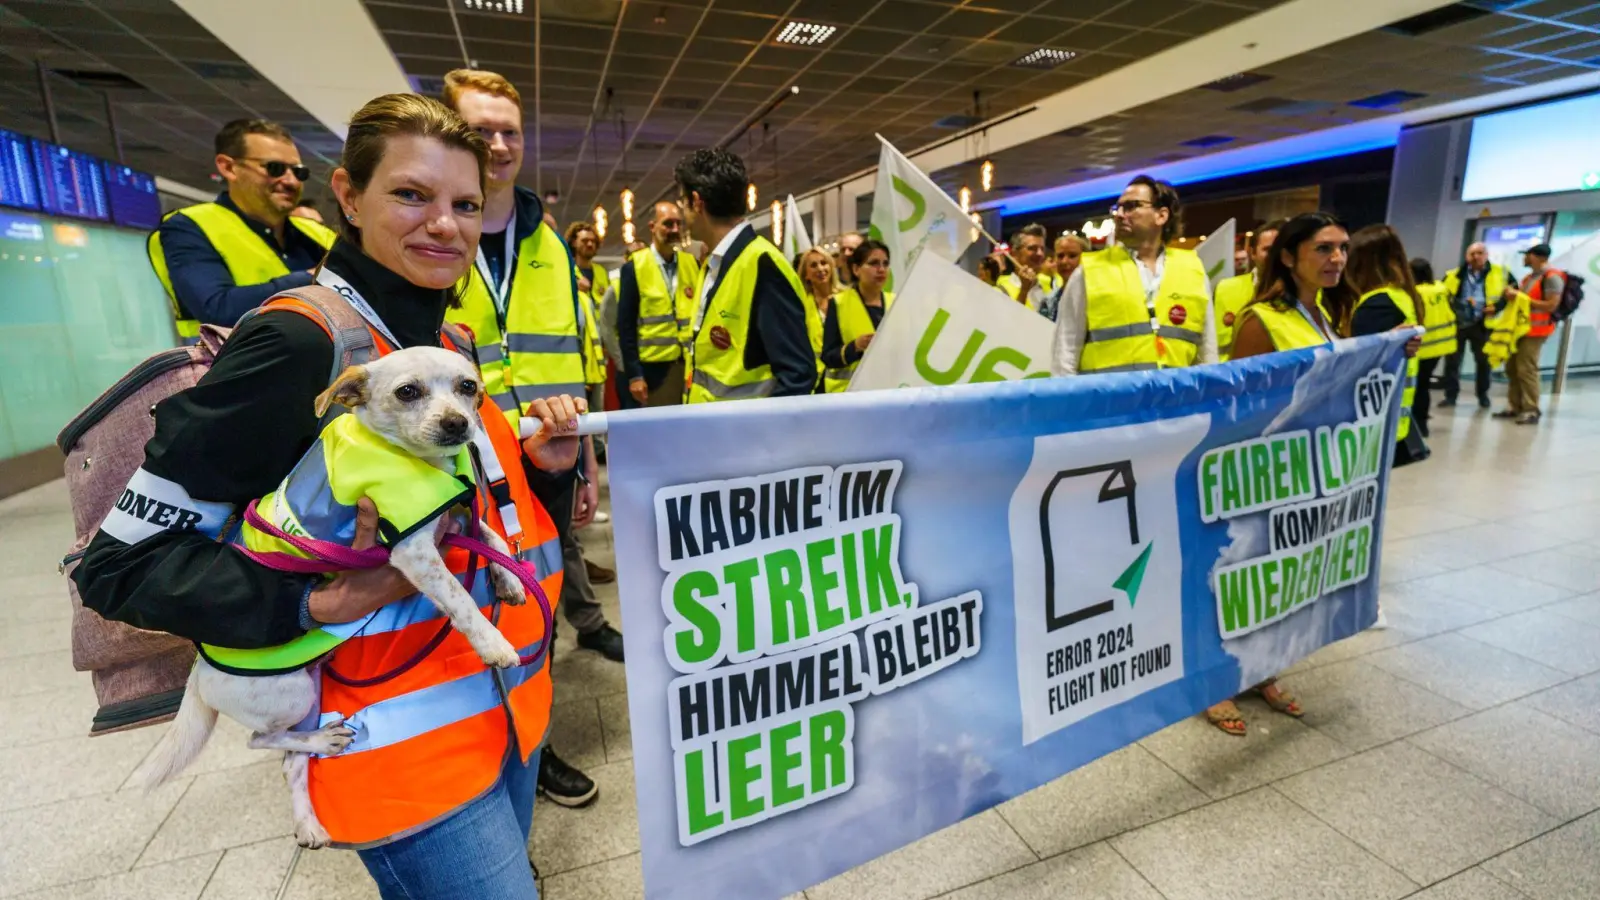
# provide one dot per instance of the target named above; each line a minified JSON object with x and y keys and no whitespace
{"x":219,"y":260}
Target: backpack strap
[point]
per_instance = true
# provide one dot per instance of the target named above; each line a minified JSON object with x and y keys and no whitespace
{"x":353,"y":341}
{"x":459,"y":338}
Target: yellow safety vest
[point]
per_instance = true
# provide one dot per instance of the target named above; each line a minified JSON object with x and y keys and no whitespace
{"x":318,"y":499}
{"x":1495,"y":281}
{"x":533,"y":348}
{"x":1439,"y":317}
{"x":1505,"y":328}
{"x":851,"y":311}
{"x":1233,"y":295}
{"x":720,"y":374}
{"x":250,"y":260}
{"x":1126,"y":335}
{"x":664,"y":321}
{"x":1408,"y":308}
{"x":594,"y":354}
{"x":1289,"y":329}
{"x":1012,"y":286}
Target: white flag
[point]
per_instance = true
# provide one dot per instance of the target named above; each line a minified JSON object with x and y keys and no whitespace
{"x":911,"y":214}
{"x":795,"y":239}
{"x":1216,"y":254}
{"x":947,"y":327}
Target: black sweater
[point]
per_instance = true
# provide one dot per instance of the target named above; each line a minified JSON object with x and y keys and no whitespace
{"x":232,"y":438}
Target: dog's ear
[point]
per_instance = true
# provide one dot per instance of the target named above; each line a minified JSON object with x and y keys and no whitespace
{"x":348,"y":390}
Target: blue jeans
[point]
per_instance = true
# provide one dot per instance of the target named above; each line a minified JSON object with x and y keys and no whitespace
{"x":480,"y":853}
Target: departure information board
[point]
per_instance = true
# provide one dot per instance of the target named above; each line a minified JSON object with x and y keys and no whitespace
{"x":71,"y":183}
{"x":19,"y":186}
{"x":134,"y":203}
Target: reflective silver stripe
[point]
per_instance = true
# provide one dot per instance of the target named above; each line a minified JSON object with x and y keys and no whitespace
{"x":658,"y":342}
{"x":839,"y":374}
{"x":491,"y":353}
{"x":521,"y":342}
{"x":667,"y":319}
{"x":752,"y":391}
{"x":1130,"y":367}
{"x":683,"y":323}
{"x":505,"y":400}
{"x":545,"y":557}
{"x":1118,"y":333}
{"x":535,"y":391}
{"x":1172,"y":332}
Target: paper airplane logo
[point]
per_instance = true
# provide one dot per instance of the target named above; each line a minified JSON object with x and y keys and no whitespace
{"x":1132,"y":577}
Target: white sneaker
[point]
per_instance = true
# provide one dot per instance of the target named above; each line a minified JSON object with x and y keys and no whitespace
{"x":602,"y":517}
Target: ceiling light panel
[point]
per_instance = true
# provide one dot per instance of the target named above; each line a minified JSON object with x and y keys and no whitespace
{"x":497,"y":6}
{"x":1043,"y":58}
{"x":805,"y":34}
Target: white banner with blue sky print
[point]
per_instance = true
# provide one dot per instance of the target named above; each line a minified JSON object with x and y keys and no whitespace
{"x":853,"y":620}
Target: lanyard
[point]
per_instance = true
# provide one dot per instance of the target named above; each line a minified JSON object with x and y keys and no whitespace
{"x":670,"y":277}
{"x":352,"y":296}
{"x":501,"y":290}
{"x":1313,"y":320}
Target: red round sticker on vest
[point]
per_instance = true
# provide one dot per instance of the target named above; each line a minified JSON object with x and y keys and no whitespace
{"x":688,"y":292}
{"x":1177,"y":315}
{"x":720,"y":337}
{"x":1227,"y":319}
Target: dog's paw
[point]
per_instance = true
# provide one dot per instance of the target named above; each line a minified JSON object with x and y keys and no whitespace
{"x":494,"y":649}
{"x":310,"y":834}
{"x":507,"y":587}
{"x":332,"y":738}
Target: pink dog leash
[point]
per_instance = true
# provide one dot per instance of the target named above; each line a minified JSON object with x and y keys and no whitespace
{"x":324,"y":557}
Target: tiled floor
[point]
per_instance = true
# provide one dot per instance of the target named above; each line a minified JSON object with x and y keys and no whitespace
{"x":1454,"y":756}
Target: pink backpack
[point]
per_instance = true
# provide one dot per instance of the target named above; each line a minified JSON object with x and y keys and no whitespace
{"x":139,"y":675}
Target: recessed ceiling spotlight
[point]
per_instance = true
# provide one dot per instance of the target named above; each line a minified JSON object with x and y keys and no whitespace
{"x":1044,"y":58}
{"x":499,"y":6}
{"x":805,"y":34}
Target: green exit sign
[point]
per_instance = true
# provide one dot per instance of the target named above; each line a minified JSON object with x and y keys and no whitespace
{"x":1591,"y":181}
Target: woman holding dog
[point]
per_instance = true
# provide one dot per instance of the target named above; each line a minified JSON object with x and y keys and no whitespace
{"x":437,"y":790}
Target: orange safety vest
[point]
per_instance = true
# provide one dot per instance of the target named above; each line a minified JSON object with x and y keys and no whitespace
{"x":435,"y":737}
{"x":1539,"y":322}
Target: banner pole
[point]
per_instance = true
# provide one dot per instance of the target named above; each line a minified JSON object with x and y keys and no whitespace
{"x":588,"y":423}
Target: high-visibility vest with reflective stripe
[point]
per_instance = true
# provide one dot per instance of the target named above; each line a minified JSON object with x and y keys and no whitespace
{"x":1121,"y":335}
{"x":1539,"y":323}
{"x":1233,"y":295}
{"x":594,"y":353}
{"x":1505,"y":329}
{"x":434,"y":738}
{"x":853,"y":323}
{"x":1408,"y":309}
{"x":318,"y":499}
{"x":534,"y":348}
{"x":716,"y":374}
{"x":664,"y":321}
{"x":1439,"y":317}
{"x":1495,"y":281}
{"x":1288,"y":329}
{"x":1012,"y":286}
{"x":250,"y":260}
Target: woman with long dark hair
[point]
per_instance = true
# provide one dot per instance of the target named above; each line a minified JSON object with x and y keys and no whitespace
{"x":1294,"y":308}
{"x":1379,"y":274}
{"x":854,"y":316}
{"x":1302,"y":297}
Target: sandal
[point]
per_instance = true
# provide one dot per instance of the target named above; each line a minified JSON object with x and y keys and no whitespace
{"x":1225,"y":715}
{"x":1280,"y":700}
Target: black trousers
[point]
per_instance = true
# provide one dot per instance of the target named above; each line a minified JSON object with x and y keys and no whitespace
{"x":1422,"y":403}
{"x":1475,"y":336}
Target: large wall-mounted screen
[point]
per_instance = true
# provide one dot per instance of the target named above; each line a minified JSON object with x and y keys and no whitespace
{"x":71,"y":183}
{"x":19,"y":187}
{"x":1544,"y":149}
{"x":133,"y":197}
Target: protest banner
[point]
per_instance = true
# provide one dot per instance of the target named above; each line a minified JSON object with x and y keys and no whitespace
{"x":947,"y":327}
{"x":868,"y":616}
{"x":1216,"y":253}
{"x":911,"y":214}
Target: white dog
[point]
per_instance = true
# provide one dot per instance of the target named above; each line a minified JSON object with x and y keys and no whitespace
{"x":425,"y":401}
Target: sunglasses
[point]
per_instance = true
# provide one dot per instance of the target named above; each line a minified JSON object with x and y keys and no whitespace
{"x":276,"y":168}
